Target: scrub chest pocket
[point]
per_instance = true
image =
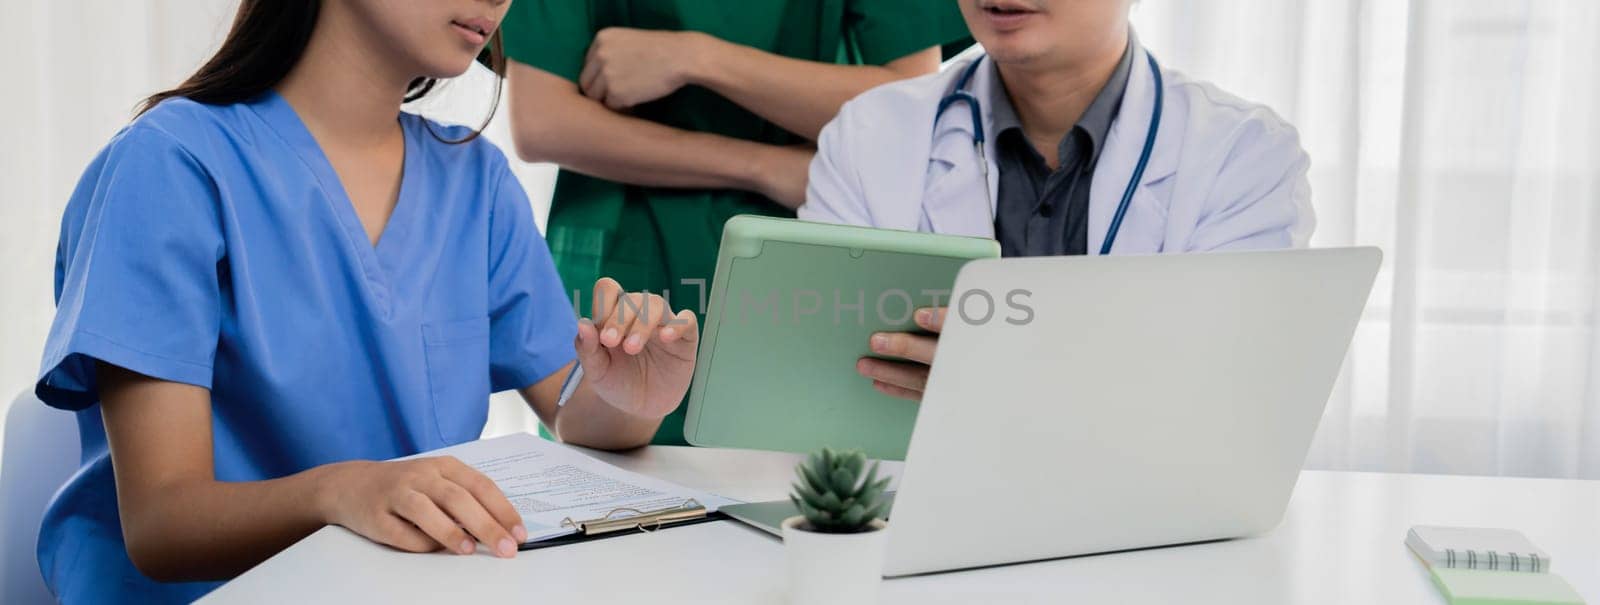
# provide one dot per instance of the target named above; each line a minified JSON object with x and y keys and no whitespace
{"x":457,"y":353}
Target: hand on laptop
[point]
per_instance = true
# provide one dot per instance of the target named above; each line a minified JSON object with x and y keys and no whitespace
{"x":904,"y":379}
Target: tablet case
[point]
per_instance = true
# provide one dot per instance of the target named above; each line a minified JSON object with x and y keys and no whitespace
{"x":792,"y":306}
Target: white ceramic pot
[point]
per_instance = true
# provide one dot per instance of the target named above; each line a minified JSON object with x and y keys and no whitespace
{"x":834,"y":569}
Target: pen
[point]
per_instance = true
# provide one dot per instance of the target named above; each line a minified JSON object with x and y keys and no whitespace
{"x":570,"y":385}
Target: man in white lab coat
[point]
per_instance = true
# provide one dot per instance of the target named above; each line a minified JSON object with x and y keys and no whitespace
{"x":1061,"y":135}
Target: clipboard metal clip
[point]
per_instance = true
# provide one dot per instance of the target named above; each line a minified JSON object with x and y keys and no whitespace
{"x":622,"y":519}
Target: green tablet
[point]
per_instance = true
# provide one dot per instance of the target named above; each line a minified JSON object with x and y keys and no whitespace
{"x":792,"y":306}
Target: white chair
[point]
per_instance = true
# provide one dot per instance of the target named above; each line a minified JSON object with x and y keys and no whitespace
{"x":41,"y":452}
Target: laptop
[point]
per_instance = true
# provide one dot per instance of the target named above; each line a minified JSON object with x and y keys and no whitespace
{"x":1082,"y":405}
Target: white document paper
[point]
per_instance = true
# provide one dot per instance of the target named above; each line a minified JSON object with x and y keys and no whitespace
{"x":548,"y":482}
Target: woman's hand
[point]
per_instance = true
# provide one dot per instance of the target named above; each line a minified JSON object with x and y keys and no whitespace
{"x":627,"y":67}
{"x":421,"y":505}
{"x":637,"y":355}
{"x":904,"y":379}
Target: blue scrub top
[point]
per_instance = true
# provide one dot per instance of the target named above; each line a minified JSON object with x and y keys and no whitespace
{"x":213,"y":245}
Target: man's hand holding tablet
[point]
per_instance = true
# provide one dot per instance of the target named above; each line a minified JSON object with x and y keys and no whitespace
{"x":909,"y":378}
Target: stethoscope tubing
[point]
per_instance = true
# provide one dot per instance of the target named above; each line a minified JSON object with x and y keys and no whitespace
{"x":962,"y":95}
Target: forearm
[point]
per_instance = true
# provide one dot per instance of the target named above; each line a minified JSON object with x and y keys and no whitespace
{"x":552,"y":122}
{"x":800,"y":96}
{"x":214,"y":530}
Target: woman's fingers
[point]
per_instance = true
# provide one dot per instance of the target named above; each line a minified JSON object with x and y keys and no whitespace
{"x":489,"y":495}
{"x":424,"y":504}
{"x":623,"y":320}
{"x":648,"y":318}
{"x":471,"y":514}
{"x":596,"y":362}
{"x":400,"y":533}
{"x":910,"y":376}
{"x":630,"y":320}
{"x":606,"y":294}
{"x":682,"y":326}
{"x":615,"y":327}
{"x":588,"y":337}
{"x":633,"y":309}
{"x":420,"y":509}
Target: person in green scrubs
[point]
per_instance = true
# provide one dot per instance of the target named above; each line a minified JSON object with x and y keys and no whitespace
{"x":668,"y":117}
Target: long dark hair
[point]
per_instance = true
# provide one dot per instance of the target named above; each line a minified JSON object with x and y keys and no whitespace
{"x":267,"y":39}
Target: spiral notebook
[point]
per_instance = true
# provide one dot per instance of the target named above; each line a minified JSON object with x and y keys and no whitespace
{"x":1476,"y":548}
{"x":1487,"y":566}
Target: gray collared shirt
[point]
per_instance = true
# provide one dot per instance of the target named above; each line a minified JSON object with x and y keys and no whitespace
{"x":1040,"y":212}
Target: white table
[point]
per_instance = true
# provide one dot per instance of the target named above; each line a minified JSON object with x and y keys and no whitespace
{"x":1341,"y":542}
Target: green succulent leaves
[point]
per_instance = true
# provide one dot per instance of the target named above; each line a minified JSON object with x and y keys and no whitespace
{"x":834,"y":497}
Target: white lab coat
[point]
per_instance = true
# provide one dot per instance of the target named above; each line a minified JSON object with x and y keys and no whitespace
{"x":1225,"y":173}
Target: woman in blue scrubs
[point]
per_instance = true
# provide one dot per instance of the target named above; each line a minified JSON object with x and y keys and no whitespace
{"x":273,"y":276}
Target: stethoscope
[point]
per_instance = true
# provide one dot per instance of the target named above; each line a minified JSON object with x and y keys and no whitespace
{"x":961,"y":95}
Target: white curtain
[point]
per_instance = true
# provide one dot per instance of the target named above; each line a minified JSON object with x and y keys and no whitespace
{"x":73,"y":73}
{"x":1461,"y":136}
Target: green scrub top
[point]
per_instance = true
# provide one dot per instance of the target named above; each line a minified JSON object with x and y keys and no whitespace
{"x":664,"y":240}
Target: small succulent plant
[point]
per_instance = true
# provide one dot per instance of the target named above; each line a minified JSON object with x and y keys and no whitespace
{"x":833,"y":495}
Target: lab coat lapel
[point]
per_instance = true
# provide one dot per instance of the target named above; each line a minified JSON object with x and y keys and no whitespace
{"x":953,"y":201}
{"x":1121,"y":154}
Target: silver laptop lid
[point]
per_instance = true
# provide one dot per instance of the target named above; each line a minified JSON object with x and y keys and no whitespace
{"x":1089,"y":404}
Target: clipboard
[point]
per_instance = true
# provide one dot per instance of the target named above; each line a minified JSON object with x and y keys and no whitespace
{"x":627,"y":522}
